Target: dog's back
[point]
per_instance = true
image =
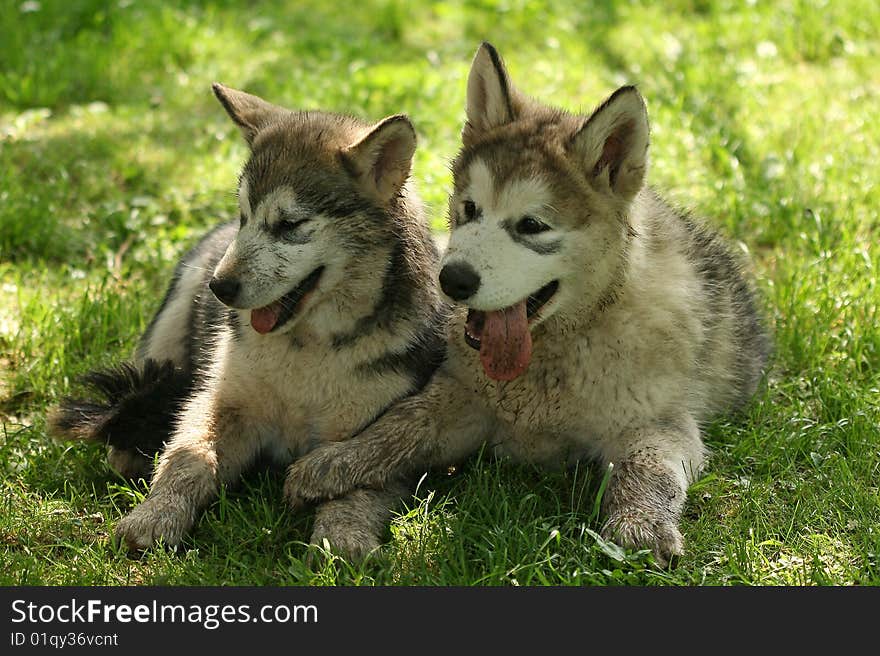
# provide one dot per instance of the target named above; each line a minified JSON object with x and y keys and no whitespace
{"x":684,"y":256}
{"x":189,"y":315}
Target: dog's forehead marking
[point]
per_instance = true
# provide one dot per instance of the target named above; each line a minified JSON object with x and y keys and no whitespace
{"x":244,"y":201}
{"x":523,"y":196}
{"x":512,"y":198}
{"x":281,"y":200}
{"x":481,"y":188}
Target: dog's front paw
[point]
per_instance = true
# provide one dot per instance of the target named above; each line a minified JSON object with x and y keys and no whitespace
{"x":321,"y":474}
{"x":634,"y":529}
{"x":154,"y":520}
{"x":352,"y":542}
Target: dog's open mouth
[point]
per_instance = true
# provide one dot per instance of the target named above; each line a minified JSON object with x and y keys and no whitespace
{"x":273,"y":316}
{"x":503,"y":337}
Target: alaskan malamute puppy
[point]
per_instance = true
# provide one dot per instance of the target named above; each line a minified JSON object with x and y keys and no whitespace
{"x":296,"y":325}
{"x":594,"y":320}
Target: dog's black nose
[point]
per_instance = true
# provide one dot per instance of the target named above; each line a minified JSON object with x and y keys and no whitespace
{"x":459,"y":281}
{"x":225,"y":289}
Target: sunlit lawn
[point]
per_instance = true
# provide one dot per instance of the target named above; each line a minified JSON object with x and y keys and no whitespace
{"x":114,"y":156}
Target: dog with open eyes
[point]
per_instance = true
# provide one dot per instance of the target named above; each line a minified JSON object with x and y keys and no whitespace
{"x":592,"y":320}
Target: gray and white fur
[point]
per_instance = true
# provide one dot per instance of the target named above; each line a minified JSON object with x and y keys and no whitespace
{"x":593,"y":320}
{"x":297,"y":325}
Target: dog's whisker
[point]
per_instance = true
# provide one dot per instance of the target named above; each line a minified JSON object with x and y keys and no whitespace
{"x":186,"y":265}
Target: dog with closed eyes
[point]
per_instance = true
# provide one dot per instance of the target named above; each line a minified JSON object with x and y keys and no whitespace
{"x":297,"y":325}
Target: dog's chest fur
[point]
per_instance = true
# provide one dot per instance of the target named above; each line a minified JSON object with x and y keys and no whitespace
{"x":577,"y":395}
{"x":299,"y":395}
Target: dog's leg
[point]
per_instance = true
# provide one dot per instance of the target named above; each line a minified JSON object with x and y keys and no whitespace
{"x":211,"y":446}
{"x":129,"y":463}
{"x":653,"y":467}
{"x":354,"y":525}
{"x":439,"y":426}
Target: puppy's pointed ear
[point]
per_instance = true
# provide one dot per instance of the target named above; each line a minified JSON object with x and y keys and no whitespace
{"x":489,"y":93}
{"x":381,"y":159}
{"x":250,"y":113}
{"x":612,"y":145}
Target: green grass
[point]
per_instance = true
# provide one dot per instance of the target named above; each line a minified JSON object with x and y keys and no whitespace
{"x":115,"y":156}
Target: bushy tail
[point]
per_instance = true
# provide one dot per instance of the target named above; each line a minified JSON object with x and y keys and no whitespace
{"x":136,"y":410}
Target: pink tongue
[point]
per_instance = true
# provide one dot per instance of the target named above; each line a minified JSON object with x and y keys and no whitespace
{"x":506,"y":343}
{"x":264,"y":319}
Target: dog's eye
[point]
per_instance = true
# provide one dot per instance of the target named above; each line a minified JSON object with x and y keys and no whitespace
{"x":529,"y":225}
{"x":470,"y":210}
{"x":290,"y":226}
